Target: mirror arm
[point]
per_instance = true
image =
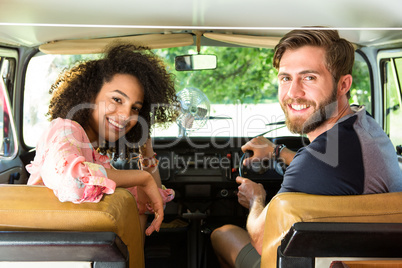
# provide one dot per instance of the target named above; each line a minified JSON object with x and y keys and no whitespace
{"x":198,"y":35}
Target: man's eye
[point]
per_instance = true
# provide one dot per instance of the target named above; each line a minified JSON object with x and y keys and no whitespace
{"x":285,"y":79}
{"x":309,"y":78}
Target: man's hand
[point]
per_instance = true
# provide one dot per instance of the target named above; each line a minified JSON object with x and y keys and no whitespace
{"x":261,"y":147}
{"x":250,"y":192}
{"x":252,"y":196}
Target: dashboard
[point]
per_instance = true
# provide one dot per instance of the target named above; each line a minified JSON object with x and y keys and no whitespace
{"x":203,"y":170}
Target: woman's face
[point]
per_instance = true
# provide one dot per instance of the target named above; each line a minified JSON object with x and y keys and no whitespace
{"x":117,"y":106}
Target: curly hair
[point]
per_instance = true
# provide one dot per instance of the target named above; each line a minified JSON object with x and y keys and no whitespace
{"x":82,"y":83}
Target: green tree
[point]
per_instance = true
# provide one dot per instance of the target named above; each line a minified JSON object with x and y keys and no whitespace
{"x":243,"y":74}
{"x":360,"y":90}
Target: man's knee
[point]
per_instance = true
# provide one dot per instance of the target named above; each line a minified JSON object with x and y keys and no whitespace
{"x":231,"y":234}
{"x":228,"y":241}
{"x":223,"y":231}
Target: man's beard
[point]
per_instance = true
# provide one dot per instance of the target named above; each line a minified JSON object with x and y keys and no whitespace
{"x":322,"y":113}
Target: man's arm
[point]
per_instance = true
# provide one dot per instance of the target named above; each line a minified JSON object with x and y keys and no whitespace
{"x":263,"y":148}
{"x":252,"y":195}
{"x":256,"y":223}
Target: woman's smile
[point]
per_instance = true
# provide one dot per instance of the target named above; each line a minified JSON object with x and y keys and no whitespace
{"x":118,"y":126}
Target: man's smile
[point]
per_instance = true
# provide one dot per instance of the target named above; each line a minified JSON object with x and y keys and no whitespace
{"x":299,"y":107}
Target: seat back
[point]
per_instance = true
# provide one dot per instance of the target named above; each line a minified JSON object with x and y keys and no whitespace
{"x":285,"y":209}
{"x":36,"y":208}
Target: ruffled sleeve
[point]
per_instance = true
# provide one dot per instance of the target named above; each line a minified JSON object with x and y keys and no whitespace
{"x":65,"y":162}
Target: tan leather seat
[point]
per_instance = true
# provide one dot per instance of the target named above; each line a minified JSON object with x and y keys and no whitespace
{"x":36,"y":208}
{"x":285,"y":209}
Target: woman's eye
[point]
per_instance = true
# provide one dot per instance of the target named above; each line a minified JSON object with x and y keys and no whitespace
{"x":136,"y":109}
{"x":118,"y":100}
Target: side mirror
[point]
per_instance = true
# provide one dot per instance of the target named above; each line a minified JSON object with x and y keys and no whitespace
{"x":195,"y":62}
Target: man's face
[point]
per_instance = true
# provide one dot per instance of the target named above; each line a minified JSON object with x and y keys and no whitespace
{"x":307,"y":92}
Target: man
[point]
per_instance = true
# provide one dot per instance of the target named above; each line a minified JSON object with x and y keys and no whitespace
{"x":348,"y":151}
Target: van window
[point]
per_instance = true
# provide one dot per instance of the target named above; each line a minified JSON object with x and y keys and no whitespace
{"x":242,"y":92}
{"x":360,"y":91}
{"x":42,"y":72}
{"x":392,"y":99}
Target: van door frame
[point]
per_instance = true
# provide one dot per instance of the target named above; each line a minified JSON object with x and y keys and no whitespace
{"x":382,"y":57}
{"x":11,"y":167}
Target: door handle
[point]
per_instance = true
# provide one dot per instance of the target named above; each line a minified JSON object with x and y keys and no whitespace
{"x":14,"y":177}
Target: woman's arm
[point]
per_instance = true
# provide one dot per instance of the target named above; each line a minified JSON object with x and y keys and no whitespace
{"x":150,"y":163}
{"x":65,"y":162}
{"x":127,"y":178}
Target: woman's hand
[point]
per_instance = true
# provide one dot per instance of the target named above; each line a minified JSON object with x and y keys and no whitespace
{"x":143,"y":202}
{"x":261,"y":147}
{"x":154,"y":200}
{"x":145,"y":181}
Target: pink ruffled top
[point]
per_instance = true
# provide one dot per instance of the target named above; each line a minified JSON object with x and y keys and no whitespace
{"x":66,"y":162}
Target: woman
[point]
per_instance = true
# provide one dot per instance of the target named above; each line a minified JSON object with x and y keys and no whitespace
{"x":103,"y":107}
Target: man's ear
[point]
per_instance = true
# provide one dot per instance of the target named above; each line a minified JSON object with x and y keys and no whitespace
{"x":344,"y":84}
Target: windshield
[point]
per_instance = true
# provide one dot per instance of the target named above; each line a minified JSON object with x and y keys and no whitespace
{"x":241,"y":93}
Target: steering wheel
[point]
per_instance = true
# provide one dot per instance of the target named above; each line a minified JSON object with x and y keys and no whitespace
{"x":267,"y":168}
{"x":260,"y":170}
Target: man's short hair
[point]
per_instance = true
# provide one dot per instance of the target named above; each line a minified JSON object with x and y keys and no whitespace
{"x":340,"y":53}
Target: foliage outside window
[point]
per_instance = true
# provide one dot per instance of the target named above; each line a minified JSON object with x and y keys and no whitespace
{"x":360,"y":90}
